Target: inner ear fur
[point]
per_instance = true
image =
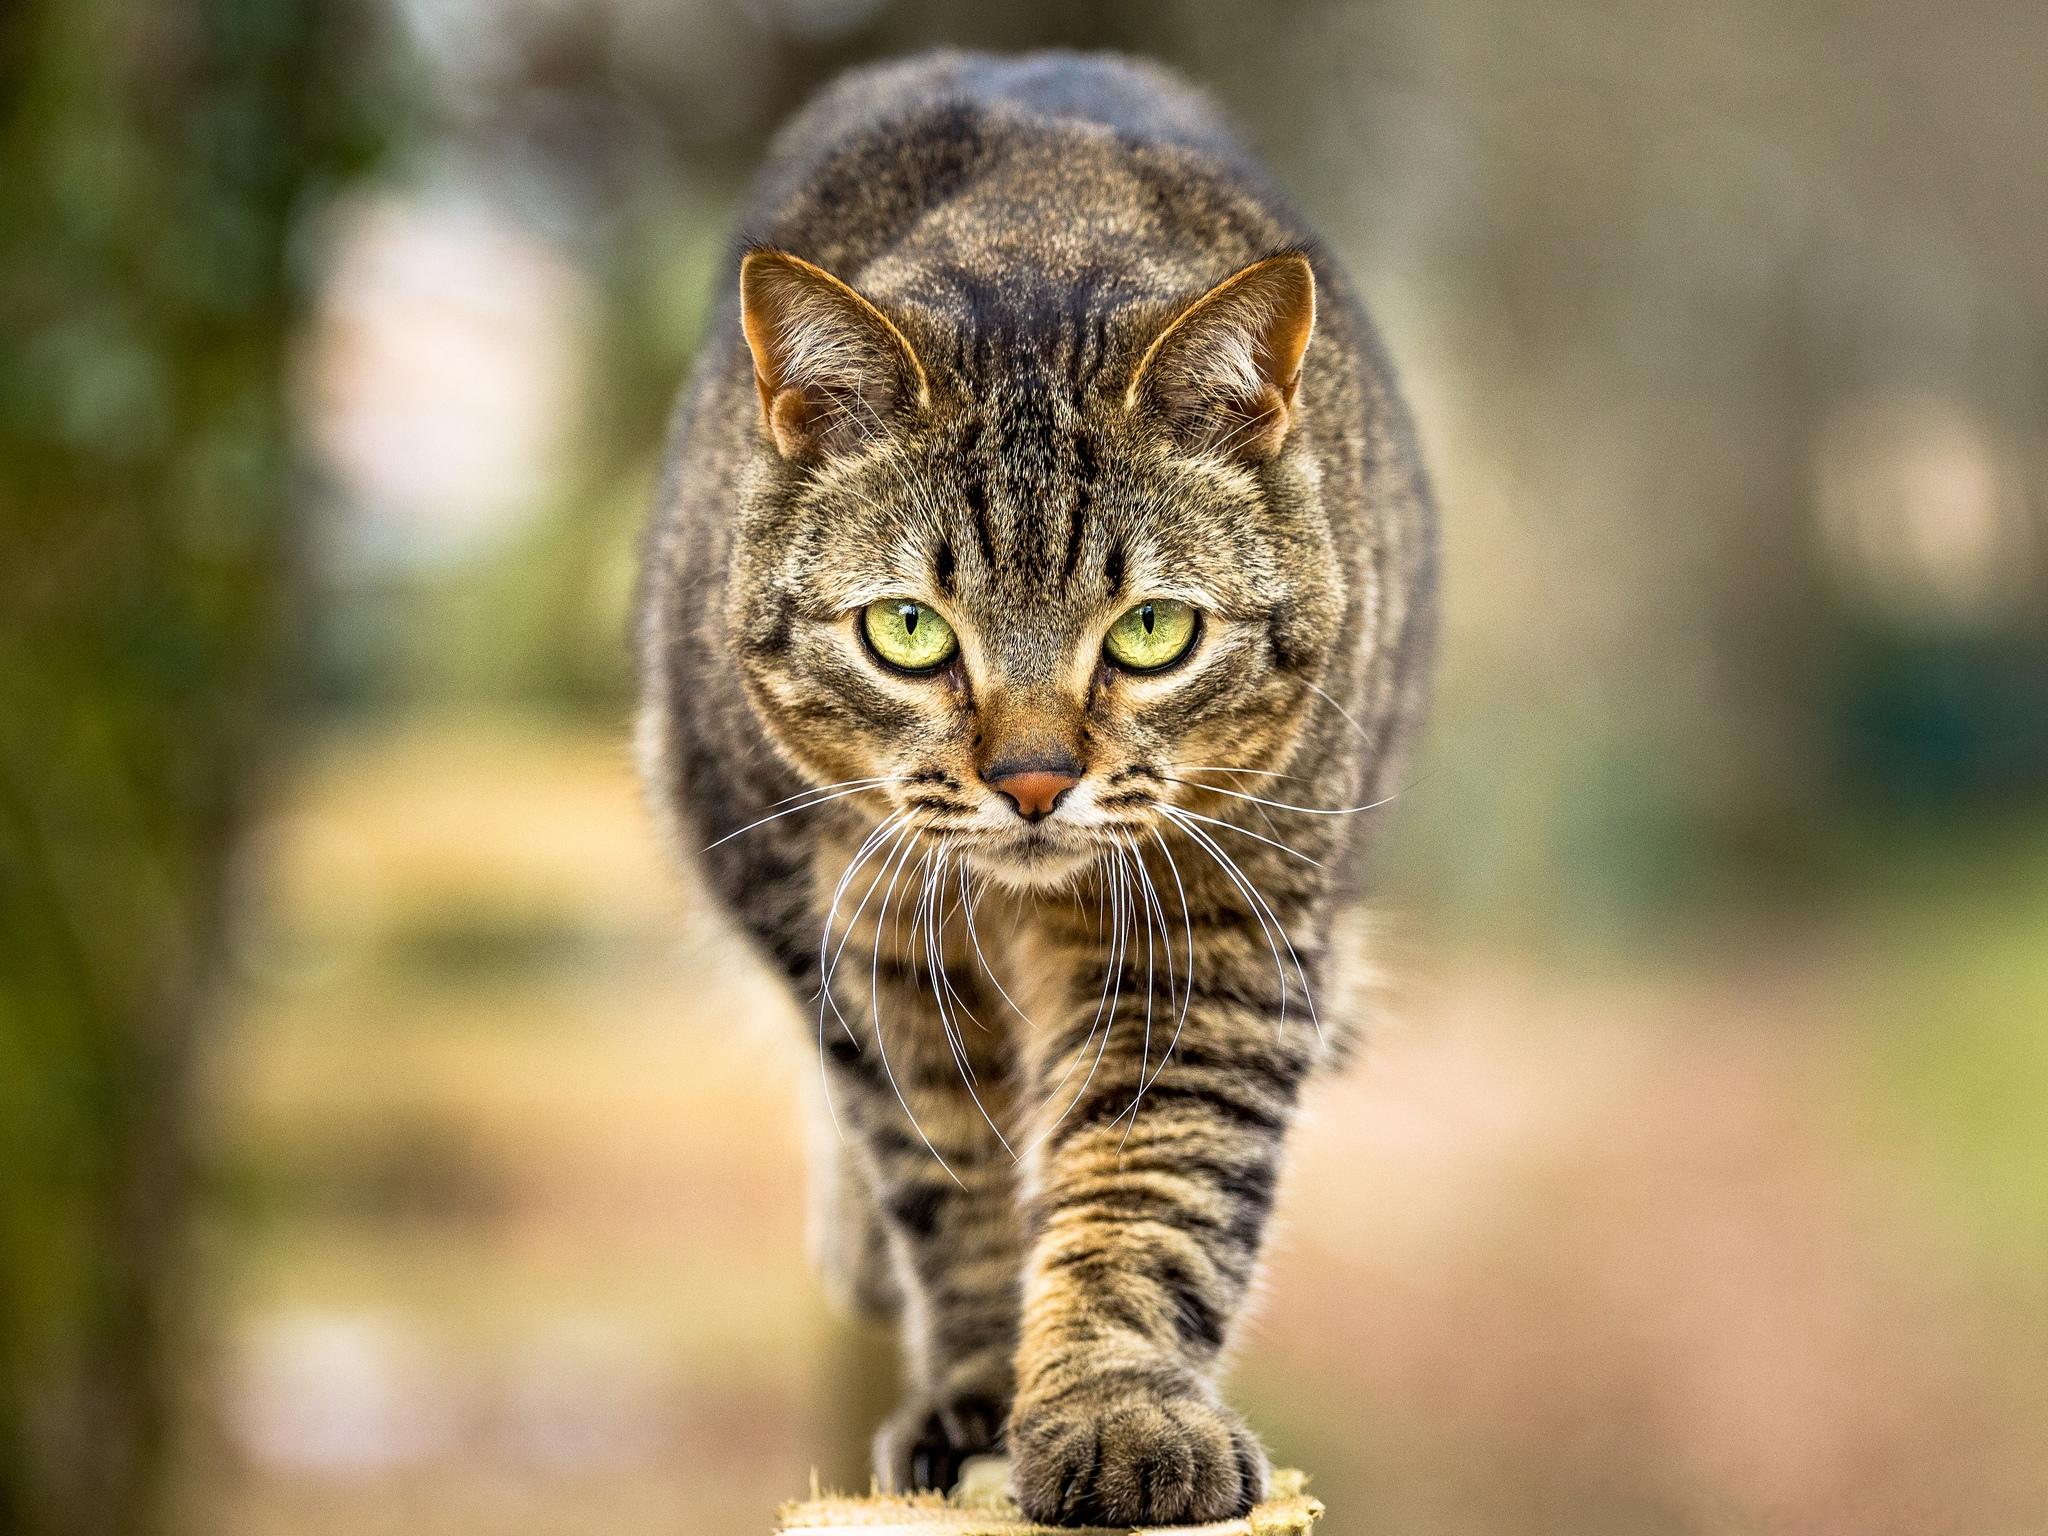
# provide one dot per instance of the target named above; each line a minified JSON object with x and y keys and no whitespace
{"x":830,"y":367}
{"x":1225,"y":370}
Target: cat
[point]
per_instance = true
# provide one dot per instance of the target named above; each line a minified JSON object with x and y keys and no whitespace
{"x":1039,"y":597}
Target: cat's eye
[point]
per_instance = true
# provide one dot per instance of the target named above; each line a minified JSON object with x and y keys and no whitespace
{"x":1152,"y":635}
{"x":908,"y":635}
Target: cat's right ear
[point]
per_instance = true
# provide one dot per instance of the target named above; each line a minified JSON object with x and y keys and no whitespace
{"x":1225,"y":371}
{"x":831,"y":368}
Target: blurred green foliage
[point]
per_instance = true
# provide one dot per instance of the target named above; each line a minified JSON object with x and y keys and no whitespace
{"x":158,"y":158}
{"x":1956,"y":1050}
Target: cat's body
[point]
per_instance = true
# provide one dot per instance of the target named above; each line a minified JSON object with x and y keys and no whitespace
{"x":1031,"y":412}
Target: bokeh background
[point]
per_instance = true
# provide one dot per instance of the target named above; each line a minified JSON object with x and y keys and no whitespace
{"x":389,"y":1142}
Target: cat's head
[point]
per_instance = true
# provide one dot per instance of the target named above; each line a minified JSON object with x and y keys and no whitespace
{"x":1028,"y":570}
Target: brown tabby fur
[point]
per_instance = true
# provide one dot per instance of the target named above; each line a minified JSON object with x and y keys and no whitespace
{"x":1063,"y":1055}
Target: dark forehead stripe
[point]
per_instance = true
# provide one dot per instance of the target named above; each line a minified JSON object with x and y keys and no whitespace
{"x":1025,"y":314}
{"x":1038,"y":461}
{"x":1089,"y":359}
{"x":1030,"y":351}
{"x":976,"y":491}
{"x":1084,"y":491}
{"x":974,"y":487}
{"x":770,"y":634}
{"x":1013,"y":464}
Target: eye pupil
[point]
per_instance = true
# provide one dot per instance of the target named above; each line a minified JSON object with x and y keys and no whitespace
{"x":1151,"y":636}
{"x":906,"y":634}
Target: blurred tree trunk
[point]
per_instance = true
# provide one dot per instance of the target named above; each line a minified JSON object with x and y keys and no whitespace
{"x":157,"y":154}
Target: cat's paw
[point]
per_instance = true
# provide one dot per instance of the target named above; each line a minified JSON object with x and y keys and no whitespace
{"x":1128,"y":1454}
{"x":923,"y":1445}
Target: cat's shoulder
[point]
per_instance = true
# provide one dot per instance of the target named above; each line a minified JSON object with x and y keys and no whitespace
{"x":885,"y":137}
{"x":1133,"y":97}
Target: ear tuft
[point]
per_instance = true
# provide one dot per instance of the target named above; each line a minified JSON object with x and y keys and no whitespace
{"x":1225,"y":370}
{"x":832,"y":370}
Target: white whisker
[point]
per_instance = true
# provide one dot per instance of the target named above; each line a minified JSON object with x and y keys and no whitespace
{"x":1145,"y":1046}
{"x":1188,"y":987}
{"x":1102,"y":896}
{"x":821,"y":799}
{"x":923,"y":916}
{"x":1231,"y":826}
{"x":974,"y":937}
{"x":1193,"y":784}
{"x":897,"y":826}
{"x":1105,"y":1010}
{"x":1282,"y":805}
{"x":1228,"y":866}
{"x":1262,"y":909}
{"x":1258,"y":773}
{"x":1153,"y":910}
{"x":1348,"y":720}
{"x":819,"y":789}
{"x":875,"y":1012}
{"x":867,"y":849}
{"x":1120,"y":913}
{"x":942,"y":989}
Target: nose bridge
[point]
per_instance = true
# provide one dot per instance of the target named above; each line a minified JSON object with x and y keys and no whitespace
{"x":1026,"y":729}
{"x":1030,"y":751}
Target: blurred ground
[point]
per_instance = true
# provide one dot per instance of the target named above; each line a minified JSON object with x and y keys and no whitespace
{"x":510,"y":1209}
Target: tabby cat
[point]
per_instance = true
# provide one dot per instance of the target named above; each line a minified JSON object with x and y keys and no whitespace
{"x":1038,"y":600}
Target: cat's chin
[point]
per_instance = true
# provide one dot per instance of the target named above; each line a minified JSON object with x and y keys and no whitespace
{"x":1032,"y":863}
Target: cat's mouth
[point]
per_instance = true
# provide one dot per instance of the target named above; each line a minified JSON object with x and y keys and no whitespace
{"x":1034,"y":857}
{"x":1033,"y":846}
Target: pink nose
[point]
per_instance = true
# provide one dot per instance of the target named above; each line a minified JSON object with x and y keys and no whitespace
{"x":1035,"y":791}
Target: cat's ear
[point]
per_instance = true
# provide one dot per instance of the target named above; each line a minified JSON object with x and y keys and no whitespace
{"x":831,"y":368}
{"x":1224,"y":372}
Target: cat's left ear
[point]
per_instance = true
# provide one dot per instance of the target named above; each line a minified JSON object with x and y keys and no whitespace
{"x":831,"y":368}
{"x":1225,"y":371}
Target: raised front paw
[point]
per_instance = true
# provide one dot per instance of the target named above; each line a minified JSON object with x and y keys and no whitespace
{"x":923,"y":1445}
{"x":1135,"y":1453}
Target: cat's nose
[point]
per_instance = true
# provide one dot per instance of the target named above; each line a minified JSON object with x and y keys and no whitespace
{"x":1034,"y":788}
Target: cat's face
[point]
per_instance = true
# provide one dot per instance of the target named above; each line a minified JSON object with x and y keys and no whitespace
{"x":1027,"y":613}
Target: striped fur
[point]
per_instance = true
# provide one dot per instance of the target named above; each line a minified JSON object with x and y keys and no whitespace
{"x":1021,"y":340}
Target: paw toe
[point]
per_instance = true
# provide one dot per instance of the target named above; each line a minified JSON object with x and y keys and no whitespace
{"x":923,"y":1448}
{"x":1143,"y":1462}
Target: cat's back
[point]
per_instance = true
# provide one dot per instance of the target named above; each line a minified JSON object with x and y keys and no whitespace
{"x":1052,"y":159}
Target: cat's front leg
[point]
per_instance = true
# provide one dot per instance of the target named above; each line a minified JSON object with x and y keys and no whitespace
{"x":1148,"y":1223}
{"x":943,"y":1188}
{"x":919,"y":1086}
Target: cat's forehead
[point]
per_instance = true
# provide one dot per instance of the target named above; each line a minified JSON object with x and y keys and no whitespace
{"x":1028,"y":504}
{"x":1038,"y":493}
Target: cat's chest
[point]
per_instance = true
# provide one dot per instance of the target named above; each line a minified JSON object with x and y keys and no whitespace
{"x":1034,"y":950}
{"x":992,"y":972}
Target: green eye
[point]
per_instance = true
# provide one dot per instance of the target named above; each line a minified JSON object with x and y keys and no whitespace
{"x":1151,"y":635}
{"x":908,"y":635}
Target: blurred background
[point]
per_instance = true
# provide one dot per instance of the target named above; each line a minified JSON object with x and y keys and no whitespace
{"x":389,"y":1142}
